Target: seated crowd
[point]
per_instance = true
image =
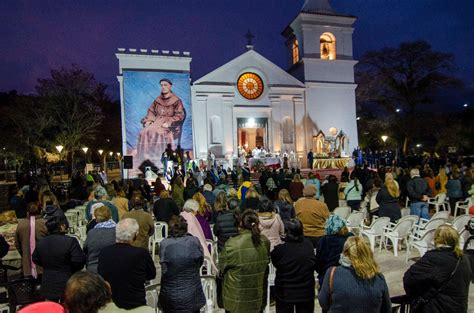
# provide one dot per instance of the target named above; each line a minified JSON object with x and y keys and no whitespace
{"x":284,"y":220}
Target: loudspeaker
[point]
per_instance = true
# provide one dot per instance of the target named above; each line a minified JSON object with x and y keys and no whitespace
{"x":127,"y":162}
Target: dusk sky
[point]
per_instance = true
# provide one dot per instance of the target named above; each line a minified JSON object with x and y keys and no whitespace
{"x":40,"y":35}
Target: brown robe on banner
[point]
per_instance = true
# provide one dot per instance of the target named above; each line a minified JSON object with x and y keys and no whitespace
{"x":162,"y":125}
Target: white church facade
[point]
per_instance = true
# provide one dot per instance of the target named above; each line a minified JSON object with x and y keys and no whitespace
{"x":316,"y":94}
{"x":251,"y":102}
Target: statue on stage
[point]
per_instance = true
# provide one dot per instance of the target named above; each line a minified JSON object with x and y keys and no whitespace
{"x":162,"y":125}
{"x":293,"y":160}
{"x":336,"y":145}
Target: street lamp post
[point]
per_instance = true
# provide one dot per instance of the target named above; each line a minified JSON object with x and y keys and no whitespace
{"x":119,"y":158}
{"x":60,"y":148}
{"x":384,"y":139}
{"x":85,"y":153}
{"x":102,"y":159}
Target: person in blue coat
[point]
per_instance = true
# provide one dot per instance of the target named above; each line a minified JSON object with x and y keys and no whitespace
{"x":357,"y":286}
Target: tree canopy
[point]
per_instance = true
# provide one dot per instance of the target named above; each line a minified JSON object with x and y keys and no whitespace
{"x":401,"y":83}
{"x":67,"y":110}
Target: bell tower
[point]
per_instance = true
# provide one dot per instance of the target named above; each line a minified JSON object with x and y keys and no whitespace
{"x":320,"y":44}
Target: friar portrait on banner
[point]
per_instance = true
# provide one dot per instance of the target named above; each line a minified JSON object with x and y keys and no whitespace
{"x":162,"y":124}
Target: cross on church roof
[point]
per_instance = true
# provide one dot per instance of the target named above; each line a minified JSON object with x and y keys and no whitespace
{"x":249,"y":37}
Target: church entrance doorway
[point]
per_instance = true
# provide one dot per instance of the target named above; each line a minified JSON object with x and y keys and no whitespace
{"x":252,"y":133}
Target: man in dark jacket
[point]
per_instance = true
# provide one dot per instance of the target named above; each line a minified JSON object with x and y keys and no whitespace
{"x":226,"y":224}
{"x":165,"y":208}
{"x":418,"y":192}
{"x":125,"y":267}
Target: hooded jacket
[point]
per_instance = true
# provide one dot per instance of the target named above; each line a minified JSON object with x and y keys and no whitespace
{"x":271,"y":226}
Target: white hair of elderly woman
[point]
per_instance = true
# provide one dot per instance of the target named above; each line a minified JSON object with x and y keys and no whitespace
{"x":191,"y":206}
{"x":126,"y":230}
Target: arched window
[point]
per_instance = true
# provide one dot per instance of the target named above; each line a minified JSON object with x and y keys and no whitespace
{"x":216,"y":129}
{"x":327,"y":44}
{"x":287,"y":130}
{"x":295,"y":51}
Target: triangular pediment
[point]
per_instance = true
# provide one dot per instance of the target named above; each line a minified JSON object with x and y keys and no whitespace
{"x":251,"y":60}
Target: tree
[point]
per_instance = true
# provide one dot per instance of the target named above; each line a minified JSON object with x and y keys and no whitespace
{"x":24,"y":124}
{"x":72,"y":97}
{"x":406,"y":78}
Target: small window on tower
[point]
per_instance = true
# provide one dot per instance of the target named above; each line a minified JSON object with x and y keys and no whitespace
{"x":295,"y":51}
{"x":327,"y":43}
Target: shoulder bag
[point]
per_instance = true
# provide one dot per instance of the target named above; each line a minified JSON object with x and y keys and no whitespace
{"x":345,"y":194}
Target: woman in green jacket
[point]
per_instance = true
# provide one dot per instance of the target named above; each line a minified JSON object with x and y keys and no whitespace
{"x":243,"y":264}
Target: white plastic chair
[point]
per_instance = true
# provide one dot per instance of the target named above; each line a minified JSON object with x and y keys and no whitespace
{"x":375,"y":230}
{"x":206,"y":267}
{"x":460,"y":222}
{"x":462,"y":205}
{"x":271,"y":282}
{"x":420,"y":229}
{"x":439,"y":201}
{"x":414,"y":218}
{"x":82,"y":232}
{"x":212,"y":246}
{"x":400,"y":231}
{"x":441,"y":214}
{"x":463,"y":237}
{"x":151,"y":296}
{"x":72,"y":220}
{"x":422,"y":244}
{"x":354,"y":221}
{"x":210,"y":292}
{"x":342,"y":211}
{"x":161,"y":232}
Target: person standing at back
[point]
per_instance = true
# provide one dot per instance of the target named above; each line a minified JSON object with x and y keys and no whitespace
{"x":357,"y":286}
{"x":243,"y":264}
{"x":60,"y":256}
{"x":418,"y":193}
{"x":181,"y":257}
{"x":331,"y":193}
{"x":28,"y":232}
{"x":144,"y":219}
{"x":164,"y":208}
{"x":454,"y":190}
{"x":102,"y":235}
{"x":312,"y":213}
{"x":442,"y":275}
{"x":226,"y":225}
{"x":295,"y":263}
{"x":353,"y":191}
{"x":284,"y":205}
{"x":126,"y":267}
{"x":387,"y":198}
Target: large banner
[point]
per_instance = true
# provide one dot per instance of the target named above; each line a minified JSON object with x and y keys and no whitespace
{"x":157,"y":111}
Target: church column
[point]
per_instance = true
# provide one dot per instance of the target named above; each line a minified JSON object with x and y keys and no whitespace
{"x":230,"y":139}
{"x":122,"y":113}
{"x":200,"y":126}
{"x":274,"y":125}
{"x":300,"y":133}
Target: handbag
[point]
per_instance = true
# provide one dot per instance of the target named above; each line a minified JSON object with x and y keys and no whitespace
{"x":419,"y":302}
